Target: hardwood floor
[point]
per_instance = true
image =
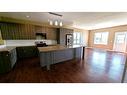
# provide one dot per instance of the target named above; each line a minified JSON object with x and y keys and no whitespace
{"x":98,"y":67}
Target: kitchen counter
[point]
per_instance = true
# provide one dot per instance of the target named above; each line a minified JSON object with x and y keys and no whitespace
{"x":7,"y":48}
{"x":59,"y":53}
{"x":57,"y":47}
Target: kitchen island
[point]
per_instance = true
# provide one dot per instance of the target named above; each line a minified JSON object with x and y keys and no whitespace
{"x":59,"y":53}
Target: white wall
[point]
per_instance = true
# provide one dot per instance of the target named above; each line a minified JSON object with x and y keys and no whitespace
{"x":27,"y":42}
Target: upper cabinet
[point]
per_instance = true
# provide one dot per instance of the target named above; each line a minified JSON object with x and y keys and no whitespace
{"x":39,"y":29}
{"x":51,"y":33}
{"x":16,"y":31}
{"x":13,"y":31}
{"x":29,"y":32}
{"x":8,"y":30}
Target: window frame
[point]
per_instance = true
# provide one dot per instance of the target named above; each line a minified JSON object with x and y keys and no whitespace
{"x":101,"y":42}
{"x":77,"y":40}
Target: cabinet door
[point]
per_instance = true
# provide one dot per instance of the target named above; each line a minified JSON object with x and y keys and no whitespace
{"x":30,"y":51}
{"x":20,"y":52}
{"x":19,"y":33}
{"x":38,"y":29}
{"x":5,"y":63}
{"x":5,"y":31}
{"x":24,"y":33}
{"x":51,"y":33}
{"x":26,"y":52}
{"x":13,"y":57}
{"x":12,"y":31}
{"x":31,"y":32}
{"x":15,"y":31}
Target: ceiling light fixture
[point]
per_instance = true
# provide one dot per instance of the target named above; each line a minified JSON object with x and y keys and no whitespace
{"x":50,"y":22}
{"x":56,"y":22}
{"x":61,"y":24}
{"x":27,"y":16}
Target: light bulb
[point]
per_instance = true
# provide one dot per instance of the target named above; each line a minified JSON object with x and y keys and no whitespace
{"x":61,"y":24}
{"x":27,"y":16}
{"x":50,"y":22}
{"x":56,"y":23}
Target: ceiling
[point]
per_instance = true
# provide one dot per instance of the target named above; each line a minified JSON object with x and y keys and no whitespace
{"x":82,"y":20}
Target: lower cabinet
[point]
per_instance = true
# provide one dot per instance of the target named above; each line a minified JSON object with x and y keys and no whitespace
{"x":27,"y":51}
{"x":7,"y":60}
{"x":63,"y":55}
{"x":52,"y":57}
{"x":13,"y":57}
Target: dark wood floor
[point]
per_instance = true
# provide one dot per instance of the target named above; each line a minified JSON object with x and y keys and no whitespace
{"x":98,"y":67}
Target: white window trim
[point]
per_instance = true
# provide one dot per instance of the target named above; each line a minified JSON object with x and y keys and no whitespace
{"x":77,"y":39}
{"x":101,"y":43}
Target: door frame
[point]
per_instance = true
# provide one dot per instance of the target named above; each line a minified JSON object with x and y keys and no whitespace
{"x":116,"y":33}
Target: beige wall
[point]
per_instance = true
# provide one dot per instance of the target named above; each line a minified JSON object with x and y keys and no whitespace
{"x":111,"y":31}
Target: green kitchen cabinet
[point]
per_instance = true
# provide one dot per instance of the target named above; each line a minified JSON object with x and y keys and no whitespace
{"x":26,"y":52}
{"x":7,"y":60}
{"x":25,"y":31}
{"x":17,"y":31}
{"x":12,"y":31}
{"x":31,"y":31}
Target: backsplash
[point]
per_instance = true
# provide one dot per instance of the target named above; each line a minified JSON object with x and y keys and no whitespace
{"x":27,"y":42}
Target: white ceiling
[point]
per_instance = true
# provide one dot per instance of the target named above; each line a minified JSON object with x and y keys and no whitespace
{"x":82,"y":20}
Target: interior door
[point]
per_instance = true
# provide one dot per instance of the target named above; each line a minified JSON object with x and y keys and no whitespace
{"x":120,"y":42}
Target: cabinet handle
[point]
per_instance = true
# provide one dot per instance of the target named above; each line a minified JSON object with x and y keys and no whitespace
{"x":7,"y":55}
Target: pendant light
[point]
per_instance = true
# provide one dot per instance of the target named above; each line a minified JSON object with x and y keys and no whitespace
{"x":56,"y":22}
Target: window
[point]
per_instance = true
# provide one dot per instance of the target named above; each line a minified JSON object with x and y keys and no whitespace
{"x":101,"y":38}
{"x":120,"y":38}
{"x":77,"y":38}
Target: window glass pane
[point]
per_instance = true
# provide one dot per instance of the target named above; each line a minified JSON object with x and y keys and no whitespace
{"x":74,"y":41}
{"x":104,"y":38}
{"x":101,"y":38}
{"x":78,"y":41}
{"x":76,"y":37}
{"x":121,"y":38}
{"x":97,"y":38}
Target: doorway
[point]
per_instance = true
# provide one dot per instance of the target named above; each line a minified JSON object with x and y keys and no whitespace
{"x":120,"y":42}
